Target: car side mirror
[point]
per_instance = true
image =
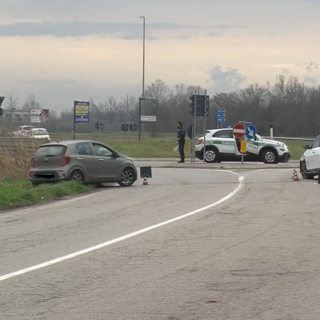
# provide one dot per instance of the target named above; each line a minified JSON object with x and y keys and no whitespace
{"x":116,"y":155}
{"x":307,"y":147}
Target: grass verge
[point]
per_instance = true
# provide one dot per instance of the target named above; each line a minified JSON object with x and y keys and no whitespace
{"x":19,"y":192}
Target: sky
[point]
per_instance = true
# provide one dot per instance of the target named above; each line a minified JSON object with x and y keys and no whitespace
{"x":66,"y":50}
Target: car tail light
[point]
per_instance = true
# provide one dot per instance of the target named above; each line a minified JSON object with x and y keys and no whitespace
{"x":32,"y":162}
{"x":199,"y":141}
{"x":65,"y":161}
{"x":30,"y":174}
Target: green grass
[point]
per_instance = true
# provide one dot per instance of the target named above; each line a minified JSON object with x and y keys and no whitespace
{"x":148,"y":147}
{"x":296,"y":148}
{"x":20,"y":192}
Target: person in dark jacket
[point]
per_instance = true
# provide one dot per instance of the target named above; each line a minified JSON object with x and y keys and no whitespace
{"x":181,"y":137}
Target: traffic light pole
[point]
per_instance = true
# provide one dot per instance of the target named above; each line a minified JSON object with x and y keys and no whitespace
{"x":193,"y":157}
{"x":204,"y":126}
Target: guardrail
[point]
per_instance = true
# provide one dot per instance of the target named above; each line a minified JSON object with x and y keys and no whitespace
{"x":290,"y":138}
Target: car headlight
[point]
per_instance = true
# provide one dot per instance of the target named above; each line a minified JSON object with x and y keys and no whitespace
{"x":281,"y":145}
{"x":130,"y":159}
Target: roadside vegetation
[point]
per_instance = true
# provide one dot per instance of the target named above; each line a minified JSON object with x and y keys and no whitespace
{"x":150,"y":147}
{"x":15,"y":188}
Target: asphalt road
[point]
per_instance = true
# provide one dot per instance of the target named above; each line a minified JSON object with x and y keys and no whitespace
{"x":193,"y":245}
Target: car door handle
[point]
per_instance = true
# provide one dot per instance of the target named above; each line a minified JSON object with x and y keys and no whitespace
{"x":101,"y":159}
{"x":80,"y":158}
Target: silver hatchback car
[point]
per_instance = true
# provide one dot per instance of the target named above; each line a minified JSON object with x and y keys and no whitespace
{"x":83,"y":161}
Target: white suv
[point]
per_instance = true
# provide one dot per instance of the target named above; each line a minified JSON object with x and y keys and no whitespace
{"x":222,"y":146}
{"x":310,"y":160}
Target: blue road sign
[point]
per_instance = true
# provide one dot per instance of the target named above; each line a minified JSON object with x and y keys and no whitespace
{"x":223,"y":111}
{"x":81,"y":111}
{"x":250,"y":131}
{"x":221,"y":119}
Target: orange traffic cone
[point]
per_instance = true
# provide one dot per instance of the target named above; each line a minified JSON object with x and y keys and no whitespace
{"x":295,"y":175}
{"x":145,"y":182}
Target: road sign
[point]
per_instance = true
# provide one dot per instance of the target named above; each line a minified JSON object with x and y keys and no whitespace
{"x":199,"y":105}
{"x":81,"y":111}
{"x":148,"y":118}
{"x":239,"y":130}
{"x":1,"y":100}
{"x":99,"y":126}
{"x":221,"y":119}
{"x":221,"y":111}
{"x":250,"y":131}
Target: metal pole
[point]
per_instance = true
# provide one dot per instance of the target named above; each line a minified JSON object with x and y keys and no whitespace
{"x":195,"y":123}
{"x":140,"y":119}
{"x":143,"y":53}
{"x":204,"y":125}
{"x":74,"y":122}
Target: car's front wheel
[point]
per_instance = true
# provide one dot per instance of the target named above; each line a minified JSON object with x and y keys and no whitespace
{"x":304,"y":171}
{"x":211,"y":155}
{"x":127,"y":178}
{"x":269,"y":156}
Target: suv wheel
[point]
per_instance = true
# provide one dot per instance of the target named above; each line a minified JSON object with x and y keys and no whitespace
{"x":211,"y":155}
{"x":269,"y":156}
{"x":127,"y":178}
{"x":304,"y":171}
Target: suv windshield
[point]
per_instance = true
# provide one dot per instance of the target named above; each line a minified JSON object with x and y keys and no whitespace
{"x":51,"y":151}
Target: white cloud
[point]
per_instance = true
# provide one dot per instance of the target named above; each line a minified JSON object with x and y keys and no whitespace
{"x":226,"y":80}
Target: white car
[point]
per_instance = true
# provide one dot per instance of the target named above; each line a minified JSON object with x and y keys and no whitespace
{"x":222,"y":146}
{"x":310,"y":160}
{"x":22,"y":131}
{"x":39,"y":133}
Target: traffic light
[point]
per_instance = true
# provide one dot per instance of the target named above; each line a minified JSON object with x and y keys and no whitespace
{"x":133,"y":127}
{"x":1,"y":110}
{"x":125,"y":127}
{"x":199,"y":105}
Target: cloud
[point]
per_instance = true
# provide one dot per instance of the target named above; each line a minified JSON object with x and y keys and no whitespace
{"x":313,"y":81}
{"x":77,"y":29}
{"x":226,"y":80}
{"x":311,"y":66}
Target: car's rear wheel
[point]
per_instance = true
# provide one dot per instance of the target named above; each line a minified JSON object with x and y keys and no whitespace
{"x":304,"y":171}
{"x":269,"y":156}
{"x":77,"y":176}
{"x":211,"y":155}
{"x":127,"y":178}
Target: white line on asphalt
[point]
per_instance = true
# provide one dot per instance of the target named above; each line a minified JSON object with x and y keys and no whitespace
{"x":128,"y":236}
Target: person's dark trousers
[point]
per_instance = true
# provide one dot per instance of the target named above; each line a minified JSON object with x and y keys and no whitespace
{"x":181,"y":151}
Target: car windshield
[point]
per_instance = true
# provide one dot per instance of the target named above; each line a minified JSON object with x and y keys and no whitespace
{"x":38,"y":132}
{"x":51,"y":151}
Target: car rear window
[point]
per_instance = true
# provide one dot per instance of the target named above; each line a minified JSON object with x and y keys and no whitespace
{"x":39,"y":131}
{"x":51,"y":151}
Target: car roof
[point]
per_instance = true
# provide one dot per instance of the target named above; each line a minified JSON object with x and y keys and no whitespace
{"x":215,"y":130}
{"x":69,"y":142}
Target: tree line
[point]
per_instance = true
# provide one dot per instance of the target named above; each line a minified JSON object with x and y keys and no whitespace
{"x":292,"y":107}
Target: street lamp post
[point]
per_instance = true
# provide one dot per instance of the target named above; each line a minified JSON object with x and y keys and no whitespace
{"x":143,"y":53}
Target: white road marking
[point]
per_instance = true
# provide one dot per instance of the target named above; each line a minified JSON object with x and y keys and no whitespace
{"x":128,"y":236}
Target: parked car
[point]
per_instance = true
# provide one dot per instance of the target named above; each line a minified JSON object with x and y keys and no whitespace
{"x":83,"y":161}
{"x":222,"y":146}
{"x":39,"y":133}
{"x":310,"y":160}
{"x":22,"y":131}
